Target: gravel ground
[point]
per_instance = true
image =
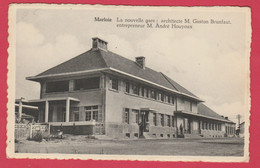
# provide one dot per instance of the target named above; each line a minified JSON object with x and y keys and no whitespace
{"x":84,"y":145}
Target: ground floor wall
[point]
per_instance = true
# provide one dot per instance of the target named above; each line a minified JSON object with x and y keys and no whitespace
{"x":132,"y":131}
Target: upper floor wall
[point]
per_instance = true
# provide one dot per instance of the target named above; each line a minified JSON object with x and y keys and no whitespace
{"x":186,"y":105}
{"x":88,"y":89}
{"x":131,"y":93}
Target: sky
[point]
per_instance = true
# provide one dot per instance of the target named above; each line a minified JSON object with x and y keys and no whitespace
{"x":209,"y":60}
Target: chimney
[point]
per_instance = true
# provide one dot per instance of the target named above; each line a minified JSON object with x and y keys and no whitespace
{"x":98,"y":43}
{"x":140,"y":61}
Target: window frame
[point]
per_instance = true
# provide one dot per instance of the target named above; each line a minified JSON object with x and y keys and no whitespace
{"x":162,"y":120}
{"x":136,"y":89}
{"x":126,"y":115}
{"x":168,"y":120}
{"x":137,"y":112}
{"x":127,"y":87}
{"x":89,"y":112}
{"x":114,"y":86}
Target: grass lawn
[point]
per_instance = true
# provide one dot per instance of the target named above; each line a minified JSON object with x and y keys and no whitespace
{"x":83,"y":145}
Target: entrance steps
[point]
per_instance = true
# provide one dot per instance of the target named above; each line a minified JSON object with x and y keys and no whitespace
{"x":192,"y":136}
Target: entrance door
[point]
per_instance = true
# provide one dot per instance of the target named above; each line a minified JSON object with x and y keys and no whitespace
{"x":144,"y":120}
{"x":186,"y":125}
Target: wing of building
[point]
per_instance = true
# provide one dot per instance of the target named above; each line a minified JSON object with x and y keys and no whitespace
{"x":100,"y":92}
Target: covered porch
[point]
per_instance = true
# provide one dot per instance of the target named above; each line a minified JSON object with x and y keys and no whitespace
{"x":57,"y":110}
{"x":192,"y":123}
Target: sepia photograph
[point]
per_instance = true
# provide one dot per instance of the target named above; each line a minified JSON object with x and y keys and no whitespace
{"x":129,"y":82}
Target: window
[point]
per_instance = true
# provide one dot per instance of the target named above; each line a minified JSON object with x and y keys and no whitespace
{"x":142,"y":91}
{"x":169,"y":99}
{"x":91,"y":113}
{"x":135,"y":89}
{"x":127,"y":87}
{"x":168,"y":120}
{"x":172,"y":99}
{"x":58,"y":86}
{"x":162,"y":120}
{"x":153,"y":94}
{"x":76,"y":113}
{"x":147,"y":93}
{"x":87,"y":83}
{"x":127,"y":115}
{"x":154,"y":119}
{"x":190,"y":106}
{"x":172,"y":121}
{"x":114,"y":83}
{"x":136,"y":115}
{"x":162,"y":97}
{"x":202,"y":124}
{"x":88,"y":115}
{"x":76,"y":116}
{"x":95,"y":115}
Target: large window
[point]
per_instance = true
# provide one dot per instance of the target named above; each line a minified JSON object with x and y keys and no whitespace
{"x":87,"y":83}
{"x":91,"y":113}
{"x":58,"y":86}
{"x":114,"y":83}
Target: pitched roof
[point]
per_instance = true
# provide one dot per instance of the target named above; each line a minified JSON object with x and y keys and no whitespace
{"x":96,"y":59}
{"x":206,"y":111}
{"x":85,"y":61}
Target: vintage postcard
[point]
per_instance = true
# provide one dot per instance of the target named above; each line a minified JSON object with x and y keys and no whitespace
{"x":129,"y":82}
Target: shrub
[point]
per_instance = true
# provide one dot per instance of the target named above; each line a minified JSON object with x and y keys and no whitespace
{"x":38,"y":137}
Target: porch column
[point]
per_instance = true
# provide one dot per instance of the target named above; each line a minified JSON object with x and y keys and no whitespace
{"x":67,"y":110}
{"x":46,"y":111}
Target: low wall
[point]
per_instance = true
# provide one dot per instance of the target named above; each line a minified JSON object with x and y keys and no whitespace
{"x":73,"y":129}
